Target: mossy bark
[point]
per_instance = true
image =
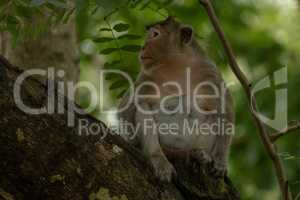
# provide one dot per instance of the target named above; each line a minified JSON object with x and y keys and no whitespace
{"x":43,"y":158}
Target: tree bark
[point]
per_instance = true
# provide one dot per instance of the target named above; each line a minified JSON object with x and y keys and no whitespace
{"x":43,"y":158}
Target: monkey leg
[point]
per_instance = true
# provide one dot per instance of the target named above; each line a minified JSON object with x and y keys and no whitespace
{"x":150,"y":145}
{"x":219,"y":155}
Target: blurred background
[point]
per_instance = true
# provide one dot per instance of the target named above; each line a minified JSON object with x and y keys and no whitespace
{"x":265,"y":36}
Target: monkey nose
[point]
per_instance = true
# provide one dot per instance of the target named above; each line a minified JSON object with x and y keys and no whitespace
{"x":145,"y":45}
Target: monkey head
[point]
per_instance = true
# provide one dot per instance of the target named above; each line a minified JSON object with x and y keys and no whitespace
{"x":163,"y":40}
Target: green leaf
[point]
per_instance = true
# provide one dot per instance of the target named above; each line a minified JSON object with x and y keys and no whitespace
{"x":113,"y":64}
{"x":15,"y":33}
{"x":59,"y":4}
{"x":121,"y":94}
{"x":104,"y":29}
{"x":129,"y":37}
{"x":103,"y":39}
{"x":12,"y":20}
{"x":131,"y":48}
{"x":134,"y":4}
{"x":108,"y":4}
{"x":23,"y":12}
{"x":108,"y":51}
{"x":59,"y":16}
{"x":168,"y":2}
{"x":162,"y":4}
{"x":118,"y":84}
{"x":290,"y":158}
{"x":81,"y":5}
{"x":131,"y":72}
{"x":94,"y":11}
{"x":112,"y":76}
{"x":37,"y":2}
{"x":67,"y":15}
{"x":121,"y":27}
{"x":145,"y":5}
{"x":22,"y":3}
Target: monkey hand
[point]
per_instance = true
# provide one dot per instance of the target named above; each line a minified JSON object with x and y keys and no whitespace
{"x":201,"y":156}
{"x":163,"y":169}
{"x":217,"y":169}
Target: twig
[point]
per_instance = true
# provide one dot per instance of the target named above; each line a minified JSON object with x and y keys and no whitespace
{"x":289,"y":129}
{"x":270,"y":148}
{"x":115,"y":39}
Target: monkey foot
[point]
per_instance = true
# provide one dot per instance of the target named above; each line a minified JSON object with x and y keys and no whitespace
{"x":163,"y":169}
{"x":217,"y":170}
{"x":201,"y":156}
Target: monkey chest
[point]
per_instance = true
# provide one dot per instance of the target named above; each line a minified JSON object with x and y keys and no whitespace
{"x":178,"y":122}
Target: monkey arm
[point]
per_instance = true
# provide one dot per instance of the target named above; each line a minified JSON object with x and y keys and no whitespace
{"x":151,"y":146}
{"x":127,"y":111}
{"x":126,"y":115}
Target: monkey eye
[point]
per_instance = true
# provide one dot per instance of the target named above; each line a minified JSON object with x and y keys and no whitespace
{"x":155,"y":33}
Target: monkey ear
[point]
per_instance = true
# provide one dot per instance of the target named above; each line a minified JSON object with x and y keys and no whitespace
{"x":170,"y":18}
{"x":186,"y":34}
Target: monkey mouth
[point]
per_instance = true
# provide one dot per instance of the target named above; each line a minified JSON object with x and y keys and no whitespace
{"x":146,"y":58}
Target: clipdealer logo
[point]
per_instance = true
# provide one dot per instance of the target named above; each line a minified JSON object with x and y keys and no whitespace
{"x":68,"y":89}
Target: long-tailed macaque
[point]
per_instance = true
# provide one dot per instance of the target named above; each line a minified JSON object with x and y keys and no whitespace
{"x":180,"y":105}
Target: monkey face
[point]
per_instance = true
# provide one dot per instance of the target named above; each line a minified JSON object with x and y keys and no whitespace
{"x":164,"y":40}
{"x":154,"y":48}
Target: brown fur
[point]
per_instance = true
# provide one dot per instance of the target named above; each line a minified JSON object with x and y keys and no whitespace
{"x":168,"y":52}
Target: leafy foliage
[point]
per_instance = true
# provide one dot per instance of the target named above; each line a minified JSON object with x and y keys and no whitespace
{"x":252,"y":28}
{"x":22,"y":17}
{"x":264,"y":35}
{"x":121,"y":27}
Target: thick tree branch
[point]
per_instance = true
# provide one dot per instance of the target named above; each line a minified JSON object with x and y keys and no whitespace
{"x":290,"y":129}
{"x":266,"y":140}
{"x":45,"y":158}
{"x":113,"y":136}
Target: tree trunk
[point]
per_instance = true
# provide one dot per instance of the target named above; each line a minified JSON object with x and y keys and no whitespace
{"x":43,"y":158}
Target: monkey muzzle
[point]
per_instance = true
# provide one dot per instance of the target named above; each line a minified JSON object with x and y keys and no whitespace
{"x":146,"y":60}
